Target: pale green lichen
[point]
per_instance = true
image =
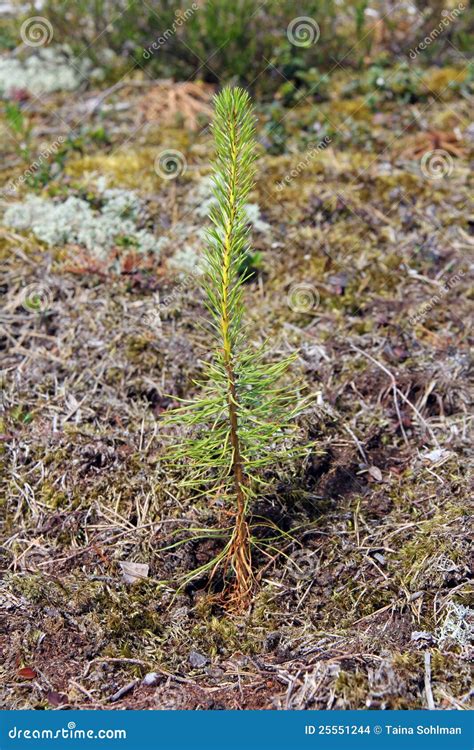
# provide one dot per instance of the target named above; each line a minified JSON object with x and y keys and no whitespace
{"x":43,"y":72}
{"x":458,"y":626}
{"x":75,"y":221}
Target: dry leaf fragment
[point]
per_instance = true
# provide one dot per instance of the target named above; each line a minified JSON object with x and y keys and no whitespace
{"x":375,"y":473}
{"x":55,"y":698}
{"x":133,"y":572}
{"x":27,"y":673}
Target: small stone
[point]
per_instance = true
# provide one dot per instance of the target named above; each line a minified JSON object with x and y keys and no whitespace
{"x":197,"y":660}
{"x":151,"y":679}
{"x":272,"y":641}
{"x":215,"y":672}
{"x":375,"y":473}
{"x":436,"y":455}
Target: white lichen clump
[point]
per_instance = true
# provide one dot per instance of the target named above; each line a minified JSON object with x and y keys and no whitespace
{"x":187,"y":260}
{"x":458,"y":626}
{"x":74,"y":221}
{"x":43,"y":72}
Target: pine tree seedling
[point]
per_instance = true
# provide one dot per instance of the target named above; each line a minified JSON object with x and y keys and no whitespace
{"x":243,"y":422}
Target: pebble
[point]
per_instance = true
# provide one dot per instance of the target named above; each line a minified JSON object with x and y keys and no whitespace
{"x":197,"y":660}
{"x":150,"y":679}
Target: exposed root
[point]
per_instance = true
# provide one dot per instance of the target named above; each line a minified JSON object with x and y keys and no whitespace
{"x":239,"y":559}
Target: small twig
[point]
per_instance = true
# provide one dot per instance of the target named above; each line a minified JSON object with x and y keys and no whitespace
{"x":428,"y":691}
{"x":372,"y":614}
{"x":453,"y":701}
{"x":357,"y":442}
{"x":111,"y":660}
{"x":123,"y":691}
{"x":396,"y":391}
{"x":82,"y":689}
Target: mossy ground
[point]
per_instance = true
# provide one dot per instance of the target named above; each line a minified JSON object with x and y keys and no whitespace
{"x":360,"y":241}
